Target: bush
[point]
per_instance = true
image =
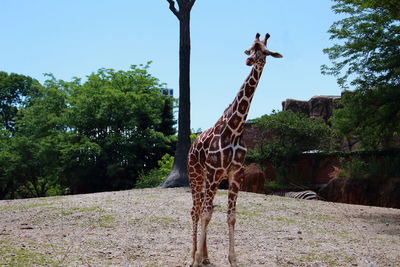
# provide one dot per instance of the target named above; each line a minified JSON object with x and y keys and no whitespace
{"x":156,"y":176}
{"x":370,"y":167}
{"x":284,"y":136}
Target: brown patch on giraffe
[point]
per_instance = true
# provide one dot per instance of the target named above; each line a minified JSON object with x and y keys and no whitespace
{"x":240,"y":154}
{"x":214,"y":159}
{"x":234,"y":121}
{"x":227,"y":157}
{"x":243,"y":106}
{"x":226,"y":137}
{"x":241,"y":127}
{"x":252,"y":82}
{"x":249,"y":90}
{"x":215,"y":143}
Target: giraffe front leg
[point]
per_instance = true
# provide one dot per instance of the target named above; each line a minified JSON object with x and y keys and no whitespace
{"x":234,"y":185}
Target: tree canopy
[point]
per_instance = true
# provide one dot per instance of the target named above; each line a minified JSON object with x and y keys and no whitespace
{"x":15,"y":92}
{"x":89,"y":136}
{"x":367,"y":57}
{"x":368,"y":51}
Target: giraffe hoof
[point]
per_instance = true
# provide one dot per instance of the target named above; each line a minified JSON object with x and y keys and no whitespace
{"x":206,"y":262}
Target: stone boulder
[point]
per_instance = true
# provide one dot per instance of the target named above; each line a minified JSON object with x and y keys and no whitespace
{"x":254,"y":179}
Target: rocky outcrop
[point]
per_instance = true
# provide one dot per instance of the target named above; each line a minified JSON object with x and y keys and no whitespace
{"x":371,"y":192}
{"x":254,"y":179}
{"x":318,"y":107}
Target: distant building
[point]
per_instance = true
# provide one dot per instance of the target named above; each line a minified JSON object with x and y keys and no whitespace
{"x":168,"y":92}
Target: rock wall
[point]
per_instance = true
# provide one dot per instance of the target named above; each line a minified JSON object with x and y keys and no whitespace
{"x":318,"y":107}
{"x":371,"y":192}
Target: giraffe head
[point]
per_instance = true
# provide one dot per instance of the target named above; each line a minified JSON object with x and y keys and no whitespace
{"x":258,"y":51}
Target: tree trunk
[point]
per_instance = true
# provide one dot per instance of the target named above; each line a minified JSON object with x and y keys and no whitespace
{"x":178,"y":176}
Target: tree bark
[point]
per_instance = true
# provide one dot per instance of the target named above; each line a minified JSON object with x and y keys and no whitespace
{"x":178,"y":176}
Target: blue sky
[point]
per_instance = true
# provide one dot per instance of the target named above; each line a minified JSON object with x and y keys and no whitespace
{"x":76,"y":37}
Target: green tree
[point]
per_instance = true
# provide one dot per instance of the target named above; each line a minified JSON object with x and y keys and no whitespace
{"x":34,"y":163}
{"x":167,"y":124}
{"x":15,"y":91}
{"x":285,"y":135}
{"x":120,"y":112}
{"x":369,"y":49}
{"x":368,"y":58}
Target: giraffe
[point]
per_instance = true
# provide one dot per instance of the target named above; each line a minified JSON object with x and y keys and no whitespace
{"x":219,"y":152}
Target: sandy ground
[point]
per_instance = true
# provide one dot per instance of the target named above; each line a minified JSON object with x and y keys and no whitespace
{"x":152,"y":227}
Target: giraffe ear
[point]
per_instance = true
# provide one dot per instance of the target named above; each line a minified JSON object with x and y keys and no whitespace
{"x":247,"y":52}
{"x":273,"y":54}
{"x":276,"y":54}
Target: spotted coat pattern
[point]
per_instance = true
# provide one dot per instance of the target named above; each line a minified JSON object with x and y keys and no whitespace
{"x":217,"y":154}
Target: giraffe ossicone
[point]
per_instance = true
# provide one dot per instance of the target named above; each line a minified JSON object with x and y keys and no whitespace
{"x":219,"y":152}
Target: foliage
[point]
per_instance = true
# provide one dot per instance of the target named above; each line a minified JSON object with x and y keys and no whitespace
{"x":15,"y":92}
{"x":120,"y":111}
{"x":166,"y":125}
{"x":156,"y":176}
{"x":371,"y":116}
{"x":370,"y":167}
{"x":273,"y":186}
{"x":92,"y":136}
{"x":285,"y":135}
{"x":369,"y":48}
{"x":368,"y":55}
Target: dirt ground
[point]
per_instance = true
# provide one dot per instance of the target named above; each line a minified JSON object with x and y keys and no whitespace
{"x":152,"y":227}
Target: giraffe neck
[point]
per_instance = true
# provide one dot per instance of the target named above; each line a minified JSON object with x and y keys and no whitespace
{"x":237,"y":112}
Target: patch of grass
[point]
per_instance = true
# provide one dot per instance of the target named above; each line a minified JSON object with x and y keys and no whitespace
{"x":222,"y":192}
{"x":106,"y":220}
{"x":318,"y":258}
{"x":70,"y":211}
{"x":23,"y":206}
{"x":281,"y":219}
{"x":318,"y":217}
{"x":248,"y":214}
{"x":13,"y":255}
{"x":102,"y":220}
{"x":166,"y":221}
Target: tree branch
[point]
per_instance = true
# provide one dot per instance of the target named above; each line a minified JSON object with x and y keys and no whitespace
{"x":191,"y":3}
{"x":173,"y":9}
